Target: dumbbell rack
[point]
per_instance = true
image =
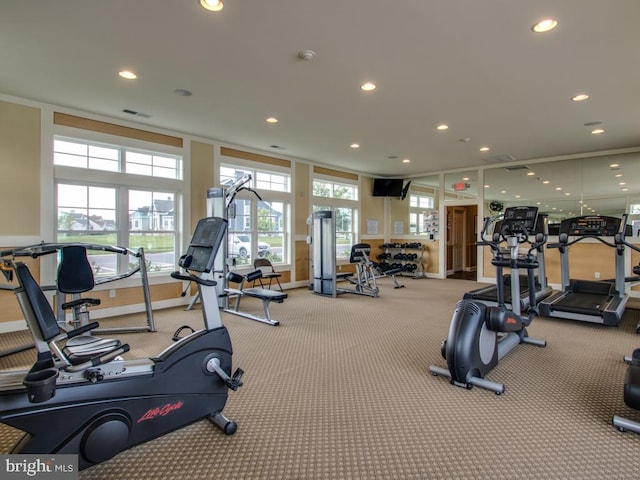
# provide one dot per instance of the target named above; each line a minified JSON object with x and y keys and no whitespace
{"x":407,"y":256}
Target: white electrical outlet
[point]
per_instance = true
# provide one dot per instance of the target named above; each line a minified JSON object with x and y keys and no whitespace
{"x":597,"y":274}
{"x":112,"y":293}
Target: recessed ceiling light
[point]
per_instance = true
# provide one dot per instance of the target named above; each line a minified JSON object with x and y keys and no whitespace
{"x":618,"y":175}
{"x":537,"y":203}
{"x":558,"y":188}
{"x":503,"y":191}
{"x":465,"y":179}
{"x":567,"y":193}
{"x":128,"y":74}
{"x":597,"y":131}
{"x":546,"y":182}
{"x":442,"y":127}
{"x":487,"y":186}
{"x":406,"y":160}
{"x":484,"y":149}
{"x":272,"y":120}
{"x":212,"y":5}
{"x":581,"y":97}
{"x":545,"y":25}
{"x":517,"y":196}
{"x":622,"y":183}
{"x":355,"y":145}
{"x":531,"y":174}
{"x":368,"y":86}
{"x":614,"y":165}
{"x":624,"y":189}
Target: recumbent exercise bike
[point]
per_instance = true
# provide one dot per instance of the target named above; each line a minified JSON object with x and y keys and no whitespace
{"x":97,"y":406}
{"x":480,"y":335}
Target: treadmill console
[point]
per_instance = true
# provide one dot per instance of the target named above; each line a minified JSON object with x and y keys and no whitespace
{"x":519,"y":219}
{"x":597,"y":225}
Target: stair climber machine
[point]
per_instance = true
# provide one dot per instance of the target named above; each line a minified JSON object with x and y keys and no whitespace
{"x":481,"y":335}
{"x":489,"y":294}
{"x":586,"y":300}
{"x":96,"y":405}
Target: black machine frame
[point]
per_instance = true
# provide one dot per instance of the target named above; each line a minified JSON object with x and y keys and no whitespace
{"x":589,"y":300}
{"x":106,"y":404}
{"x":480,"y":335}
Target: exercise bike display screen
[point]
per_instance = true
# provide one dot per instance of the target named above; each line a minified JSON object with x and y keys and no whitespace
{"x":205,"y":243}
{"x":520,"y":219}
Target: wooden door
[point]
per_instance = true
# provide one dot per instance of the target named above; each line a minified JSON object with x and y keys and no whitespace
{"x":457,"y":239}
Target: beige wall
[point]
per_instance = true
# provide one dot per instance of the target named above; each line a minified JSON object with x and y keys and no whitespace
{"x":372,"y":207}
{"x":399,"y":213}
{"x":201,"y":179}
{"x":20,"y":163}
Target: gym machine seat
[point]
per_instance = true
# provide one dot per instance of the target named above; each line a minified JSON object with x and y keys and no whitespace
{"x":75,"y":276}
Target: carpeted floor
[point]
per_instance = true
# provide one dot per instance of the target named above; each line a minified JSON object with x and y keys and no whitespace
{"x":342,"y":390}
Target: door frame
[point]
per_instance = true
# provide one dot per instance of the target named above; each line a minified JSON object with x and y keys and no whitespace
{"x":459,"y":203}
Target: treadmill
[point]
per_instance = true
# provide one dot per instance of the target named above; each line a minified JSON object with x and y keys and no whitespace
{"x":586,"y":300}
{"x":489,"y":295}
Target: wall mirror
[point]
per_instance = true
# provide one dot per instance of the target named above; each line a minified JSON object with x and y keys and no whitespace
{"x":605,"y":185}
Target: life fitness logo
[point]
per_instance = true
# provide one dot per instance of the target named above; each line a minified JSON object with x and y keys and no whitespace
{"x":161,"y":411}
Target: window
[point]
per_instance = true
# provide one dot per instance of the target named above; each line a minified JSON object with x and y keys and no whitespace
{"x":418,"y":204}
{"x":341,"y":198}
{"x":260,"y":179}
{"x":322,"y":188}
{"x":74,"y":153}
{"x":135,"y":208}
{"x":260,"y":226}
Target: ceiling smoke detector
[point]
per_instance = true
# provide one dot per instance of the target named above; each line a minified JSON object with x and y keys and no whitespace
{"x":307,"y":55}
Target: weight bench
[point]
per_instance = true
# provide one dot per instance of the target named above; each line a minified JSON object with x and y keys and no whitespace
{"x":388,"y":272}
{"x":267,"y":296}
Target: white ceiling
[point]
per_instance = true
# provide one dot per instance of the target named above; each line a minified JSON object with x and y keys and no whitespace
{"x":475,"y":65}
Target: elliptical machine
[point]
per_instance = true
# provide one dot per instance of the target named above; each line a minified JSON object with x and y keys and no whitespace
{"x":481,"y":335}
{"x":99,"y":405}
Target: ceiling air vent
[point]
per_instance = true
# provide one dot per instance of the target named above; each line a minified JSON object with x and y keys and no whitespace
{"x":137,"y":114}
{"x":499,"y":159}
{"x":515,"y":168}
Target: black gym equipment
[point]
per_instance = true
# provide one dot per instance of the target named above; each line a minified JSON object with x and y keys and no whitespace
{"x":631,"y":391}
{"x":100,"y":405}
{"x":363,"y":279}
{"x":481,"y":335}
{"x":264,"y":294}
{"x":75,"y":276}
{"x":632,"y":376}
{"x":489,"y":294}
{"x":587,"y":300}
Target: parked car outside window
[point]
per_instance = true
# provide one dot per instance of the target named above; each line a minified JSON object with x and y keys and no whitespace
{"x":240,"y":246}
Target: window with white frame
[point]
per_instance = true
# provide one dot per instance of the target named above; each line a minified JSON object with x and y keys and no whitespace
{"x":342,"y":198}
{"x":128,"y":200}
{"x":260,"y":227}
{"x":418,"y":206}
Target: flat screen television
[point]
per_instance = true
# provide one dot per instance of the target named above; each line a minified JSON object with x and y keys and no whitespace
{"x":387,"y":187}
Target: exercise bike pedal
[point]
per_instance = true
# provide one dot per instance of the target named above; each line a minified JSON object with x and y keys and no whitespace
{"x":235,"y":381}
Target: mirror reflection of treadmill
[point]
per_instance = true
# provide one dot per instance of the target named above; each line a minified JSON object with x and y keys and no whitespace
{"x":586,"y":300}
{"x":489,"y":295}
